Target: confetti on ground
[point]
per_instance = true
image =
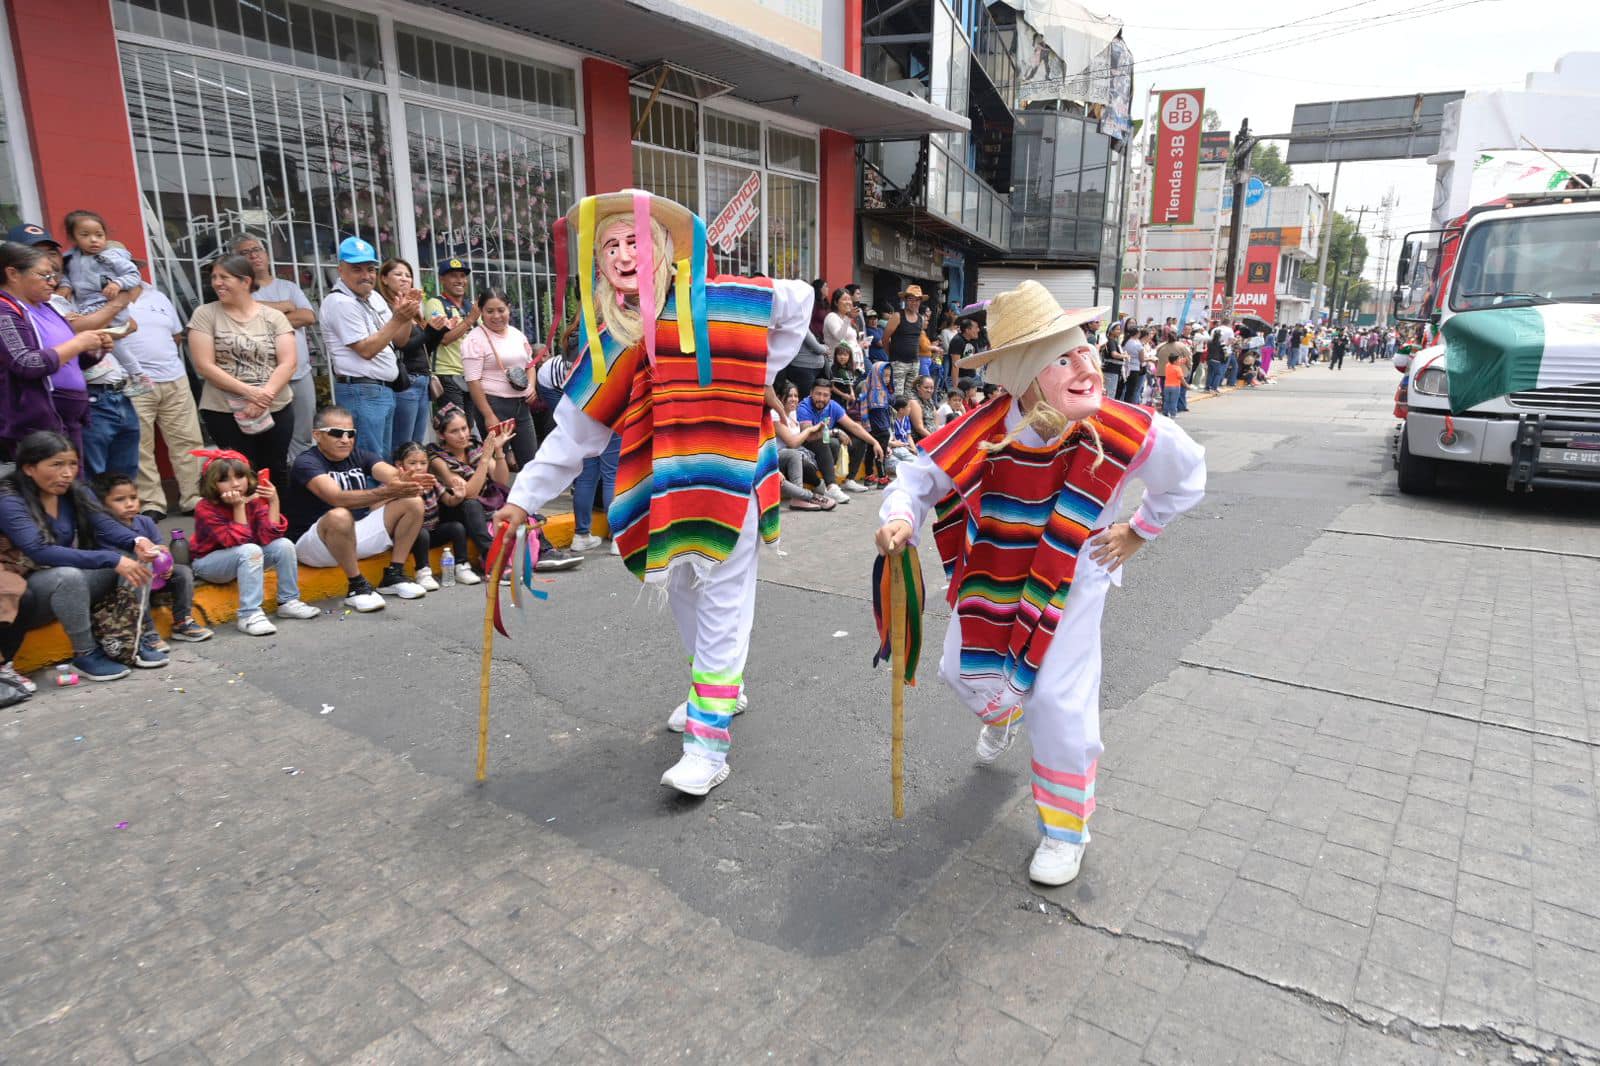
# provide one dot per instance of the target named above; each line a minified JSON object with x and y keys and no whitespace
{"x":291,"y":771}
{"x":122,"y":825}
{"x":837,"y":633}
{"x":327,"y":708}
{"x":77,"y":740}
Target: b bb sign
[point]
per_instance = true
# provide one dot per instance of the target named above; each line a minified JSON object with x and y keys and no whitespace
{"x":1178,"y":157}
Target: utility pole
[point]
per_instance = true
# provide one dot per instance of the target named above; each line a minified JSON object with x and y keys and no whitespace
{"x":1327,"y":241}
{"x":1242,"y":145}
{"x":1387,"y":236}
{"x":1361,"y":213}
{"x":1142,"y":181}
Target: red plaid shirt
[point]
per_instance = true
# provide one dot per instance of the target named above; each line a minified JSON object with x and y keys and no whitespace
{"x":215,"y":529}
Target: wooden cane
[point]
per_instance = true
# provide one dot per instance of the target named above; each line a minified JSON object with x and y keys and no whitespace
{"x":496,"y":557}
{"x":897,"y":641}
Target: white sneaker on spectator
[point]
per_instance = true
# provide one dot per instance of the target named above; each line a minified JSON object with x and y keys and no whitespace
{"x":1055,"y":862}
{"x":363,"y":597}
{"x":585,"y":542}
{"x":465,"y":575}
{"x":426,"y":580}
{"x":614,"y":549}
{"x":297,"y":609}
{"x":837,"y":495}
{"x":695,"y":775}
{"x":255,"y":625}
{"x":852,"y":485}
{"x":679,"y":718}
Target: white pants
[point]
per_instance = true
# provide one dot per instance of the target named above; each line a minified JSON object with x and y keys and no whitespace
{"x":1062,"y":710}
{"x":714,"y":615}
{"x":371,"y":538}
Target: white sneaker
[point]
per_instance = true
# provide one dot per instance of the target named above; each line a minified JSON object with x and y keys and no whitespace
{"x":837,"y":495}
{"x":695,"y":775}
{"x":297,"y":609}
{"x":466,"y":576}
{"x":585,"y":542}
{"x":1055,"y":862}
{"x":679,"y":718}
{"x":426,"y":580}
{"x":255,"y":625}
{"x":614,"y":549}
{"x":395,"y":583}
{"x":993,"y":740}
{"x":365,"y":601}
{"x":852,"y":485}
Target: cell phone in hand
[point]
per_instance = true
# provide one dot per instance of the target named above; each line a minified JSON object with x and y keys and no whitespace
{"x":116,"y":331}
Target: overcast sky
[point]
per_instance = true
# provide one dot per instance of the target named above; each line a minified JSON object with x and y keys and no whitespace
{"x":1346,"y":50}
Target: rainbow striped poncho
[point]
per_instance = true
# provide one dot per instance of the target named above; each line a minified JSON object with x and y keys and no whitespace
{"x":691,"y":454}
{"x":1009,"y":535}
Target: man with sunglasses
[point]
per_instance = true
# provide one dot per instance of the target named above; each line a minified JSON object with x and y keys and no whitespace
{"x":345,"y":504}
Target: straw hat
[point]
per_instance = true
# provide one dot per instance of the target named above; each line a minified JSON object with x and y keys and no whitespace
{"x":914,"y":291}
{"x":676,"y":219}
{"x":1027,"y":330}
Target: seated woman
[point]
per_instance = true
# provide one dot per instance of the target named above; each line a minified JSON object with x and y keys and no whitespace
{"x":795,"y":462}
{"x":73,"y":551}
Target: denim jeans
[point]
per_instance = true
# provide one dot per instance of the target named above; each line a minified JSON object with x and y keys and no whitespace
{"x":412,"y":412}
{"x":1171,"y":400}
{"x":371,"y":405}
{"x":1233,"y":370}
{"x":595,"y":485}
{"x":1214,"y":373}
{"x":247,"y":564}
{"x":111,"y":439}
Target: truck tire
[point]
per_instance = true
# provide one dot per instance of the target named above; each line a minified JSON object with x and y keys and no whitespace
{"x":1418,"y":476}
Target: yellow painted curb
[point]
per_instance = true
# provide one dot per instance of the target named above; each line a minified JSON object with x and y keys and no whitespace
{"x":216,"y":604}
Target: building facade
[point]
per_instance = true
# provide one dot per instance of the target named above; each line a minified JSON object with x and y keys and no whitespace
{"x":438,"y":131}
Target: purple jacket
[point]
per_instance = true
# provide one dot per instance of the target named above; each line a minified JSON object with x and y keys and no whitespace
{"x":25,"y":369}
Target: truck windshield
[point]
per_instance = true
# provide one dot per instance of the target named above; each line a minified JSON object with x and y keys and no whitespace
{"x":1520,"y":262}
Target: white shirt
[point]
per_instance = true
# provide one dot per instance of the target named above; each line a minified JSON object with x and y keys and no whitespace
{"x":280,"y":291}
{"x":346,"y":319}
{"x":578,"y":437}
{"x":153,"y":344}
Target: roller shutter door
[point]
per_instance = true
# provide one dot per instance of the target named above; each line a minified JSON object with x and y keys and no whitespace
{"x":1071,"y":286}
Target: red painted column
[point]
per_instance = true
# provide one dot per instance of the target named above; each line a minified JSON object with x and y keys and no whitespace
{"x":71,"y":81}
{"x":837,"y":207}
{"x":608,"y":127}
{"x":852,"y":36}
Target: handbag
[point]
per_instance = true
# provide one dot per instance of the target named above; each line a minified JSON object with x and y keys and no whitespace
{"x":517,"y":376}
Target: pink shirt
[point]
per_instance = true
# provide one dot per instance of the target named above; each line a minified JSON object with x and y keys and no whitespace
{"x":478,"y":351}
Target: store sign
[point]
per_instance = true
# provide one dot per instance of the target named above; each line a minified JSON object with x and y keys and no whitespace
{"x":1215,"y":146}
{"x":1177,"y":157}
{"x":1257,"y":290}
{"x":733,"y":221}
{"x":887,"y":248}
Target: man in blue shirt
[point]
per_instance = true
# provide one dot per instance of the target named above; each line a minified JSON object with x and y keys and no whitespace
{"x":821,"y":407}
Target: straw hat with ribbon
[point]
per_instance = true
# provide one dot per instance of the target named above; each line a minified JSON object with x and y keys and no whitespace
{"x":1027,"y":331}
{"x":575,"y":239}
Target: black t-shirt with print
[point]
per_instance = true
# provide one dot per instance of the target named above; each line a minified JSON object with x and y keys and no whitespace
{"x":303,"y":508}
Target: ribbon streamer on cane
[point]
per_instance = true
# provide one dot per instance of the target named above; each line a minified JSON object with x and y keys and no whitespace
{"x":897,"y":608}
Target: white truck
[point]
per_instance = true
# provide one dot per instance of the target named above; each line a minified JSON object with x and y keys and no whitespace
{"x":1513,"y":378}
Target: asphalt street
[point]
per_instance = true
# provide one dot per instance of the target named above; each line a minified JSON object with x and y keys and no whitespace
{"x":1347,"y":812}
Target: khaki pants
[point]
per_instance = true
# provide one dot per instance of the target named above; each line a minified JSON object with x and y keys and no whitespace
{"x":169,"y":406}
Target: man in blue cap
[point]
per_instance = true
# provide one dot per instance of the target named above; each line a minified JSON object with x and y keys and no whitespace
{"x":361,"y":333}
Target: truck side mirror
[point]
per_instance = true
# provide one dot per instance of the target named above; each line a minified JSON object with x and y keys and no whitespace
{"x":1404,"y":270}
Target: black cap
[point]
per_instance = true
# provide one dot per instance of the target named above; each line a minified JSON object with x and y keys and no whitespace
{"x":452,"y":266}
{"x":30,"y":233}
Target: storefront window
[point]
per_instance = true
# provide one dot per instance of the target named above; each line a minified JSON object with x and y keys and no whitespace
{"x":224,"y":148}
{"x":440,"y":67}
{"x":704,"y":159}
{"x":311,"y":36}
{"x":490,"y":194}
{"x":10,"y":195}
{"x":1062,"y":197}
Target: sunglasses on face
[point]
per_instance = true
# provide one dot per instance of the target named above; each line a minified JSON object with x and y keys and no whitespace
{"x":339,"y":434}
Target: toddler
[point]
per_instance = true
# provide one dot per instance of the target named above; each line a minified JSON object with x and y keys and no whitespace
{"x":98,"y":270}
{"x":901,"y":446}
{"x":239,"y":532}
{"x":121,"y":501}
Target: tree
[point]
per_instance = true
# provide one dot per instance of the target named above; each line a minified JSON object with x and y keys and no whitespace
{"x":1268,"y":165}
{"x":1347,"y":256}
{"x":1210,"y":120}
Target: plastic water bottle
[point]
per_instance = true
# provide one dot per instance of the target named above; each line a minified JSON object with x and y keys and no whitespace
{"x":447,"y":568}
{"x":179,"y":547}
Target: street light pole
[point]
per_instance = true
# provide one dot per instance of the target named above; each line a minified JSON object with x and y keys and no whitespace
{"x":1327,"y":240}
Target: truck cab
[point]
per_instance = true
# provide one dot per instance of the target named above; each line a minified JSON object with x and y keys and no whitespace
{"x":1512,"y":378}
